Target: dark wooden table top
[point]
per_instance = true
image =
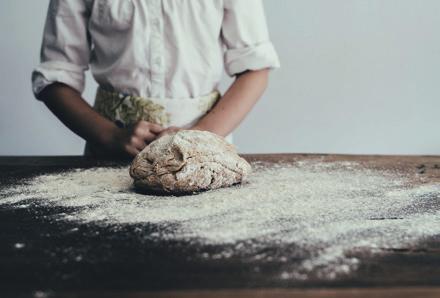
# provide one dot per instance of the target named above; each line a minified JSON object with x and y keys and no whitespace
{"x":118,"y":264}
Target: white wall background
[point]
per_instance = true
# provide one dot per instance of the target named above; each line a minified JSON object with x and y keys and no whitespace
{"x":357,"y":76}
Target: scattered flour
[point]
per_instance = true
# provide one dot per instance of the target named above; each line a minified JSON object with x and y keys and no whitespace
{"x":19,"y":245}
{"x":318,"y":213}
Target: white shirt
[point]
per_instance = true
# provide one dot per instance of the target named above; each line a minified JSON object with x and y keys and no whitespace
{"x":153,"y":48}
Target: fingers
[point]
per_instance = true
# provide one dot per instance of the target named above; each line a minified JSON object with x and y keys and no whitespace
{"x":133,"y":141}
{"x":144,"y":133}
{"x":131,"y":150}
{"x":155,"y":128}
{"x":147,"y":131}
{"x":148,"y":136}
{"x":169,"y":130}
{"x":137,"y":142}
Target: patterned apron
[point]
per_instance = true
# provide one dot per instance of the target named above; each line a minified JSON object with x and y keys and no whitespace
{"x":127,"y":110}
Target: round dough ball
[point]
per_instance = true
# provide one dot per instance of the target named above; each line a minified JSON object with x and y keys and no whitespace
{"x":188,"y":161}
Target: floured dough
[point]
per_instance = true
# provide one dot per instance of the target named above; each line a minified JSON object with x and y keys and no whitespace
{"x":188,"y":161}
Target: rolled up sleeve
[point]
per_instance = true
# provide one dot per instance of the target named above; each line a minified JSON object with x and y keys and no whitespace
{"x":246,"y":38}
{"x":65,"y":51}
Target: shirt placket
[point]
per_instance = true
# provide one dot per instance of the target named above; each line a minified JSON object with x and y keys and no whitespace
{"x":156,"y":50}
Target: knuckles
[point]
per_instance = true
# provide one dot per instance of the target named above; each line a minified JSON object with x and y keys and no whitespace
{"x":138,"y":130}
{"x":133,"y":140}
{"x":142,"y":128}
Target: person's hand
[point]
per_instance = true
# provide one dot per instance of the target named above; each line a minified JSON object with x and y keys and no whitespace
{"x":133,"y":140}
{"x":169,"y":130}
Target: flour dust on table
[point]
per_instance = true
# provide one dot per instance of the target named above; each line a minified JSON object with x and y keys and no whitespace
{"x":308,"y":217}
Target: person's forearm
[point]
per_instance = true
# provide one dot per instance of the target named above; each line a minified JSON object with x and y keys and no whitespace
{"x":68,"y":105}
{"x":237,"y":102}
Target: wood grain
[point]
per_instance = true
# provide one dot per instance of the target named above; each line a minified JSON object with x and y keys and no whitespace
{"x":121,"y":264}
{"x":262,"y":293}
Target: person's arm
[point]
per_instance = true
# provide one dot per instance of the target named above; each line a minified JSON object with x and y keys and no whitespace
{"x":236,"y":103}
{"x":59,"y":81}
{"x":68,"y":105}
{"x":249,"y":56}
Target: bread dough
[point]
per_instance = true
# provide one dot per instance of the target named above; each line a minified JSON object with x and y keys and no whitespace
{"x":188,"y":161}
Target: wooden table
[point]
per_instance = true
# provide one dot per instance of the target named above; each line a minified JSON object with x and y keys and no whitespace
{"x":117,"y":264}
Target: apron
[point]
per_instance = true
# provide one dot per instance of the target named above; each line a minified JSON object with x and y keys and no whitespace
{"x":126,"y":111}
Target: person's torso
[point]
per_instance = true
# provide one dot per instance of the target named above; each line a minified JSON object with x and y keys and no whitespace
{"x":157,"y":48}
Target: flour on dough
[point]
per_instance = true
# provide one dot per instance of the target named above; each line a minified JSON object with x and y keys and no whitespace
{"x":188,"y":161}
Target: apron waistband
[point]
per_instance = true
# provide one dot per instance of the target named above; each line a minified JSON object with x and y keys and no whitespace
{"x":126,"y":110}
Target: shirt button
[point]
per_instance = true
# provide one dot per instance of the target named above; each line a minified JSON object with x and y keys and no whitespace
{"x":158,"y":61}
{"x":156,"y":23}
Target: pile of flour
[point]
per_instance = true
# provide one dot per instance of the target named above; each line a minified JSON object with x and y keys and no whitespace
{"x":321,"y":211}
